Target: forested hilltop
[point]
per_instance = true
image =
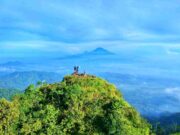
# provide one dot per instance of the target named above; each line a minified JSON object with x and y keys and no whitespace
{"x":82,"y":105}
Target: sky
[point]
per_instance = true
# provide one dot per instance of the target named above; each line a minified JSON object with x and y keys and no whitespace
{"x":71,"y":26}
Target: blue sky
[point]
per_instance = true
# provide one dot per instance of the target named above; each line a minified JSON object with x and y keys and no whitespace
{"x":71,"y":26}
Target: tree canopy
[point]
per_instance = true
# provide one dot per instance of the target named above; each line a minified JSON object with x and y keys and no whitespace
{"x":79,"y":105}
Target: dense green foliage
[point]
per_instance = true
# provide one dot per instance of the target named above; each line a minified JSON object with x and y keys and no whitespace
{"x":9,"y":114}
{"x":166,"y":124}
{"x":176,"y":133}
{"x":79,"y":105}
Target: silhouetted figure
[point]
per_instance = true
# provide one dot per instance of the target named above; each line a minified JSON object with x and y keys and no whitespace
{"x":76,"y":70}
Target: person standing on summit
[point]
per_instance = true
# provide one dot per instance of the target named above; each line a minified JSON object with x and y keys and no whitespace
{"x":76,"y":70}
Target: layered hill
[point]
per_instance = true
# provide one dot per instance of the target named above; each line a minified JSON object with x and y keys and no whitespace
{"x":79,"y":105}
{"x":20,"y":80}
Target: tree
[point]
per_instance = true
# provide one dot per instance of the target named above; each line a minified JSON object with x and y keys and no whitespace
{"x":9,"y":114}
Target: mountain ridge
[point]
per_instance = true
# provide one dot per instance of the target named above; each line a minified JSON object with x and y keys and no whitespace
{"x":21,"y":80}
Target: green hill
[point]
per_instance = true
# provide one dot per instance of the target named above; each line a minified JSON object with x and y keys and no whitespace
{"x":20,"y":80}
{"x":79,"y":105}
{"x":8,"y":93}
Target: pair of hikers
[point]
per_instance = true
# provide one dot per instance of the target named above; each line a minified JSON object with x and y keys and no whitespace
{"x":76,"y":71}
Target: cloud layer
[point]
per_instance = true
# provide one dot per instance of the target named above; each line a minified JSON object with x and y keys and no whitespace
{"x":45,"y":23}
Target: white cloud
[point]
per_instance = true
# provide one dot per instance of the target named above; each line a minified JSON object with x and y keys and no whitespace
{"x":175,"y":92}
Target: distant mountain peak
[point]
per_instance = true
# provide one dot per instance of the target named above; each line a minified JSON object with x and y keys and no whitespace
{"x":101,"y":51}
{"x":97,"y":52}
